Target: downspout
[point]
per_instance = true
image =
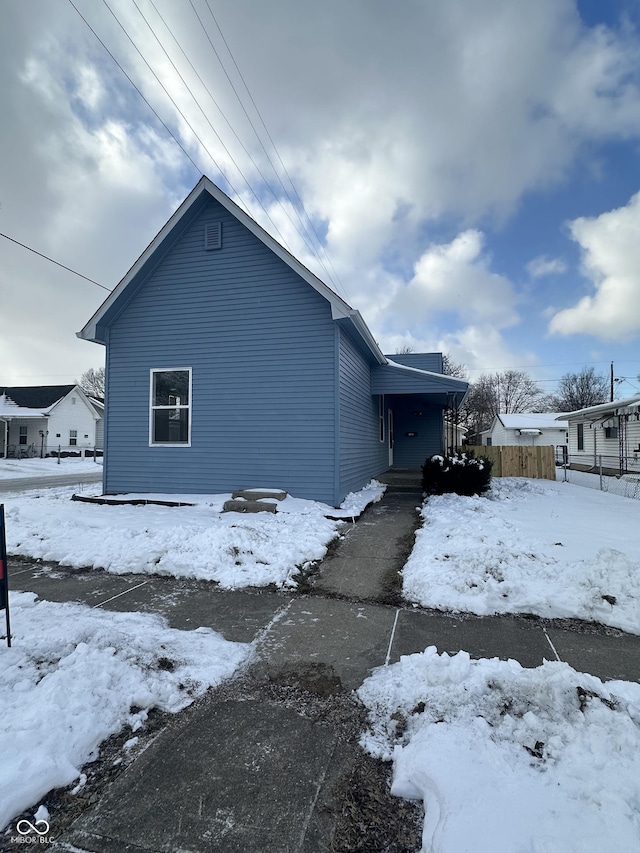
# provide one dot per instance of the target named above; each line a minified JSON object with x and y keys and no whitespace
{"x":336,"y":415}
{"x":105,"y":431}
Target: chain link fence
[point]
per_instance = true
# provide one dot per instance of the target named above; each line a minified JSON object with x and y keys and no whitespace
{"x":603,"y":475}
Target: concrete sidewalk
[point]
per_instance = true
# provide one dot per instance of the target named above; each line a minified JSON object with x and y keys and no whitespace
{"x":268,"y":762}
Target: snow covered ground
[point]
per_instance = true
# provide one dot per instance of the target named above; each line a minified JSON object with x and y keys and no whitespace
{"x":526,"y":761}
{"x":530,"y":546}
{"x":505,"y":758}
{"x":232,"y":549}
{"x":75,"y":675}
{"x":13,"y":469}
{"x":543,"y":760}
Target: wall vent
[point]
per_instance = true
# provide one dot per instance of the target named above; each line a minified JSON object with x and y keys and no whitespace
{"x":213,"y":235}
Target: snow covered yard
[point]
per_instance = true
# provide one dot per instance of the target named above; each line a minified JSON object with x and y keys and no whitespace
{"x":506,"y":758}
{"x":234,"y":550}
{"x":509,"y":759}
{"x":530,"y":546}
{"x":75,"y":675}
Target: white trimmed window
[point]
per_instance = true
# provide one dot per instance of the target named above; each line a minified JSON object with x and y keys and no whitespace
{"x":73,"y":437}
{"x":170,"y":407}
{"x":23,"y":435}
{"x":381,"y":415}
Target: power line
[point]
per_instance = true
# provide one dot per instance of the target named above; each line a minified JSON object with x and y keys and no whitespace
{"x":195,"y":100}
{"x":275,"y":148}
{"x":177,"y":108}
{"x":168,"y":129}
{"x":336,"y":278}
{"x":57,"y":263}
{"x":306,"y":236}
{"x":190,"y":126}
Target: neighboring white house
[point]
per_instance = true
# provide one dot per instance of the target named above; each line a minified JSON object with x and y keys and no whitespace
{"x":610,"y":431}
{"x":98,"y":405}
{"x":37,"y":421}
{"x":530,"y":428}
{"x":454,"y":435}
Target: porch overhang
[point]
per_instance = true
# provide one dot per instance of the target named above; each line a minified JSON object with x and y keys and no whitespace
{"x":17,"y":413}
{"x":438,"y":389}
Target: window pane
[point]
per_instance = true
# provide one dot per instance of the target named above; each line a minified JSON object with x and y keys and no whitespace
{"x":171,"y":426}
{"x":171,"y":388}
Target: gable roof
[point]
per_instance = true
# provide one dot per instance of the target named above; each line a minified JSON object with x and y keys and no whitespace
{"x":36,"y":396}
{"x":95,"y":329}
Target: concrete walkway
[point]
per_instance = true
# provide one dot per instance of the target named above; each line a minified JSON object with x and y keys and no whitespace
{"x":267,"y":762}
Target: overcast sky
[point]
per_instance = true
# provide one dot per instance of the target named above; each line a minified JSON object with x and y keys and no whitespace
{"x":470,"y":167}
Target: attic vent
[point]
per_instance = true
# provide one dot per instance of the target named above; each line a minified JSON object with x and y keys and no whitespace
{"x":213,"y":235}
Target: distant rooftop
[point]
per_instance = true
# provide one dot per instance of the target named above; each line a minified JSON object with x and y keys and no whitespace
{"x":36,"y":396}
{"x":534,"y":420}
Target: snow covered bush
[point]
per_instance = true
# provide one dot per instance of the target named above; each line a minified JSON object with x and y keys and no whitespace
{"x":461,"y":473}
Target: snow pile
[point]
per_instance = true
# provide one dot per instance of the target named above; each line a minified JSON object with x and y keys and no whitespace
{"x":510,"y":759}
{"x":74,"y":676}
{"x":529,"y":546}
{"x":235,"y":550}
{"x":351,"y":507}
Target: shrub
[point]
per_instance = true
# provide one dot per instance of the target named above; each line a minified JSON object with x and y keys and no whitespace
{"x":462,"y":474}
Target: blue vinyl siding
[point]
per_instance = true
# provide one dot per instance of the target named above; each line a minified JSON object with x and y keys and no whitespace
{"x":411,"y":451}
{"x":260,"y":343}
{"x":431,"y":361}
{"x":386,"y":379}
{"x":362,"y":454}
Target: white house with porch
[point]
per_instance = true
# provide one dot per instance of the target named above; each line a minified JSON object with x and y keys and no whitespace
{"x":42,"y":420}
{"x":607,"y":435}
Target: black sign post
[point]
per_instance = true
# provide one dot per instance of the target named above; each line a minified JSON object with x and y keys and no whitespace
{"x":4,"y":577}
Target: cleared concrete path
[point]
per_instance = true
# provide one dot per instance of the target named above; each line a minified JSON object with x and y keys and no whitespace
{"x":373,"y":550}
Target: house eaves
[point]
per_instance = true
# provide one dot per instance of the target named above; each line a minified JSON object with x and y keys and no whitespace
{"x":615,"y":407}
{"x":95,"y":329}
{"x":394,"y":378}
{"x":10,"y":410}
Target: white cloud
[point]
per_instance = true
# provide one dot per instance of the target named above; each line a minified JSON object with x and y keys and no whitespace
{"x":455,"y":277}
{"x":542,"y":265}
{"x":453,"y":287}
{"x":611,"y":259}
{"x":492,"y":100}
{"x":390,"y":121}
{"x":483,"y":349}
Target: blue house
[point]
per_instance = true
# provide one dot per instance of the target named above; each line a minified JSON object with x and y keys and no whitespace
{"x":230,"y":365}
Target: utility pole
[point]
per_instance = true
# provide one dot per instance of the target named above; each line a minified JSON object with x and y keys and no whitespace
{"x":611,"y":397}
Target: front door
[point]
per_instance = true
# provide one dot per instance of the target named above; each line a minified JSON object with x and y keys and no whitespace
{"x":390,"y":435}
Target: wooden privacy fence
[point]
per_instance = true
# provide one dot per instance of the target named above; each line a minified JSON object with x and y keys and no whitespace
{"x":518,"y":460}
